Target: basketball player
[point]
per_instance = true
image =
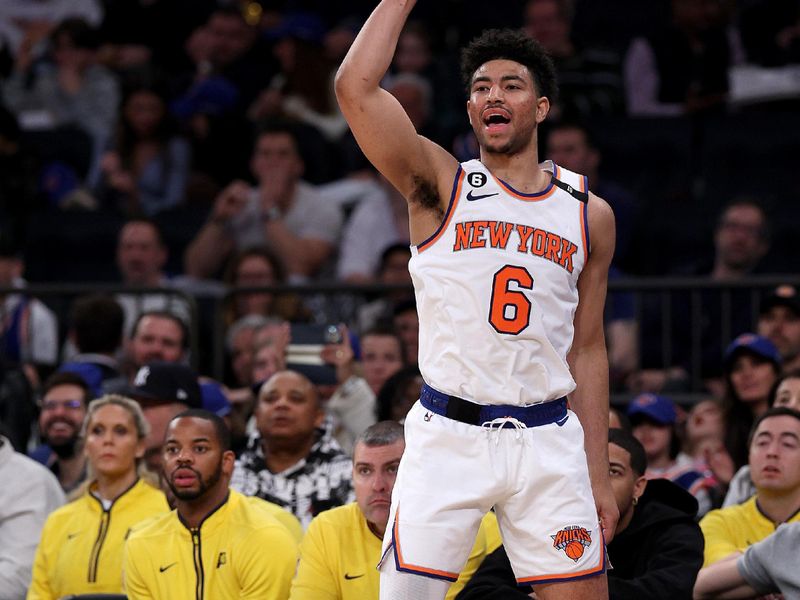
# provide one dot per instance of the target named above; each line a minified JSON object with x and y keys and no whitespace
{"x":502,"y":249}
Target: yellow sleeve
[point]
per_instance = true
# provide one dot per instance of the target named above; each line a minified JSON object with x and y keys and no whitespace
{"x":314,"y":579}
{"x":133,"y":584}
{"x":40,"y":583}
{"x":474,"y":561}
{"x":716,"y":533}
{"x":267,"y":574}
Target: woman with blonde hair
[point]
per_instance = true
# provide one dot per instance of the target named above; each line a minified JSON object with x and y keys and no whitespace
{"x":80,"y":550}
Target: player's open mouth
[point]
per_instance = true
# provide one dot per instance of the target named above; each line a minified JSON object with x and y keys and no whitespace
{"x":496,"y":120}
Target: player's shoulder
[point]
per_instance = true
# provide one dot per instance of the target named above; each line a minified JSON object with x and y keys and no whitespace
{"x":599,"y":207}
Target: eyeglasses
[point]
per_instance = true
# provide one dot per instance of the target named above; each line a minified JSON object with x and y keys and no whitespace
{"x":65,"y":404}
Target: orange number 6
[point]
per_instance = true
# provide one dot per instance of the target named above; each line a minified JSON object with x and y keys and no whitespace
{"x":502,"y":298}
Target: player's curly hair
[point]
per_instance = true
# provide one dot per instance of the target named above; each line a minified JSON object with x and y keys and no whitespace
{"x":511,"y":44}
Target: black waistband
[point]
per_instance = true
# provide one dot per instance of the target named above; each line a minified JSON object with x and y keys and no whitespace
{"x":471,"y":413}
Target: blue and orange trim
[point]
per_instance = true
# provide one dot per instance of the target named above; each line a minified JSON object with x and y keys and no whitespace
{"x":406,"y":567}
{"x":536,"y":197}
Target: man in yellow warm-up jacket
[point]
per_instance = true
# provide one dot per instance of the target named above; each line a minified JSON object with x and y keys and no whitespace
{"x":342,"y":546}
{"x":216,"y":544}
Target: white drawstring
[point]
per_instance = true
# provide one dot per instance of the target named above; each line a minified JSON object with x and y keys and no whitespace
{"x":495,"y":425}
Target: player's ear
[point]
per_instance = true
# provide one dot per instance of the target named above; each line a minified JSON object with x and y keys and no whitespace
{"x":542,"y":108}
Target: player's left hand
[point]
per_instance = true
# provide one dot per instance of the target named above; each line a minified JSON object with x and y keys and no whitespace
{"x":607,"y":510}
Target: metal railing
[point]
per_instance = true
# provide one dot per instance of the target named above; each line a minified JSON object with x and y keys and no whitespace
{"x":694,"y":305}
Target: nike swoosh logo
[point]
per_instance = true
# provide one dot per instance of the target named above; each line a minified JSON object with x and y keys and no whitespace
{"x":348,"y":576}
{"x":471,"y":196}
{"x":162,"y":569}
{"x":72,"y":535}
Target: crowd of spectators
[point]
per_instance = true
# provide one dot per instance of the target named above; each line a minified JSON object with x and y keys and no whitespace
{"x":189,"y":155}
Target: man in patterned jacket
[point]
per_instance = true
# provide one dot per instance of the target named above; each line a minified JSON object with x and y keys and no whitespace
{"x":292,"y":460}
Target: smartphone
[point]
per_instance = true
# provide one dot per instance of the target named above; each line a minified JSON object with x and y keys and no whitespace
{"x":305,"y":346}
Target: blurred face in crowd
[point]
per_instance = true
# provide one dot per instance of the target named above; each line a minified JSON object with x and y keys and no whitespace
{"x":140,"y":254}
{"x":788,"y":393}
{"x":775,"y":455}
{"x":266,"y":362}
{"x":67,"y":54}
{"x":569,"y":148}
{"x":253,"y":271}
{"x":158,"y":417}
{"x":405,"y":398}
{"x":546,"y":23}
{"x":156,"y":338}
{"x":242,"y":355}
{"x":194,"y":462}
{"x":381,"y":357}
{"x":781,"y":325}
{"x":288,"y":410}
{"x":144,"y":110}
{"x":10,"y":269}
{"x":413,"y":53}
{"x":740,"y":237}
{"x":626,"y":483}
{"x":63,"y":411}
{"x":752,"y":378}
{"x":705,"y":422}
{"x":276,"y":153}
{"x":112,"y":442}
{"x":395,"y":268}
{"x":407,"y":326}
{"x":654,"y":436}
{"x":230,"y":38}
{"x":374,"y":474}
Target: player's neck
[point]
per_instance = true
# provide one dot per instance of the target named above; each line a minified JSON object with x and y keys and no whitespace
{"x":520,"y":170}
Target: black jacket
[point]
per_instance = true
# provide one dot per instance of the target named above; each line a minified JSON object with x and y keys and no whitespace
{"x":656,"y":557}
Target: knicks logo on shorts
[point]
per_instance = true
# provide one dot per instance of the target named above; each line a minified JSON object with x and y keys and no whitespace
{"x":573,"y":540}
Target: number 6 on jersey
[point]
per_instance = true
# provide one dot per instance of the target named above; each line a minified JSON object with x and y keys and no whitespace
{"x":504,"y":299}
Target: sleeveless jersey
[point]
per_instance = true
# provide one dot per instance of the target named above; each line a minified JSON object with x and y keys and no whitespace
{"x":496,"y":288}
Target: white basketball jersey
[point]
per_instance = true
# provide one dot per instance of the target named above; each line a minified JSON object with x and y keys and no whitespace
{"x":496,"y":288}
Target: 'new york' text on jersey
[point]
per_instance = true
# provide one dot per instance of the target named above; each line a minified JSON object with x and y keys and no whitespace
{"x":496,"y":288}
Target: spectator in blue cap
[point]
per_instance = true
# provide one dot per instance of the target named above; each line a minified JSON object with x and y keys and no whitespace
{"x":214,"y":399}
{"x":751,"y":366}
{"x":653,"y":420}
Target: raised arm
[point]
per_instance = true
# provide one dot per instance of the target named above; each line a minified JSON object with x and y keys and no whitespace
{"x":380,"y":125}
{"x":589,"y":363}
